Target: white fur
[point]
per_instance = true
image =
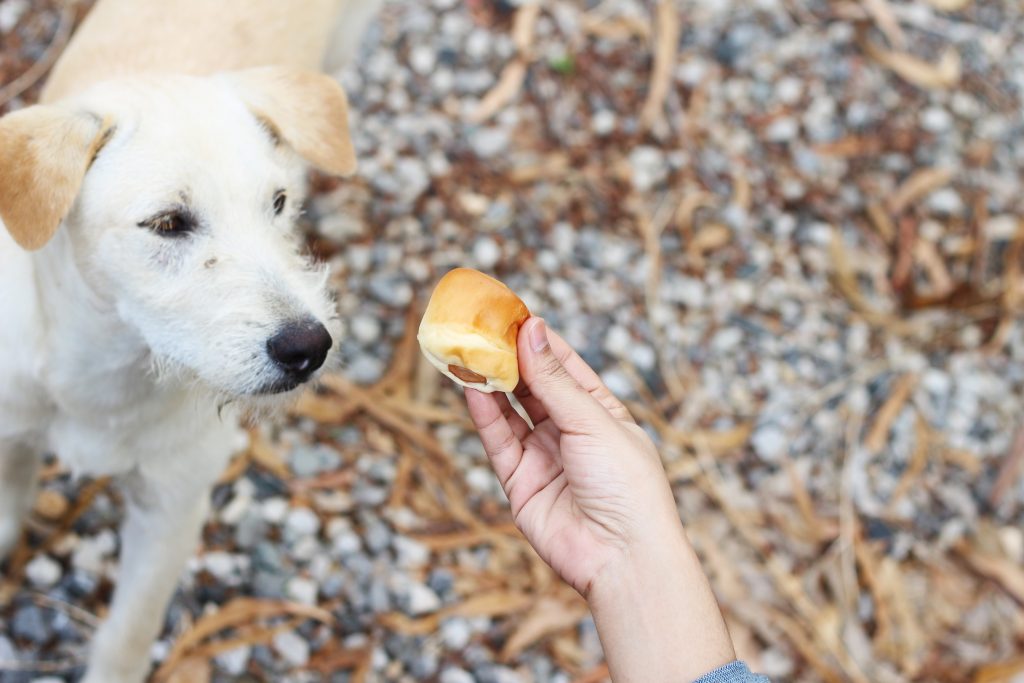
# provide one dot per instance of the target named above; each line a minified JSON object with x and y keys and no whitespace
{"x":131,"y":354}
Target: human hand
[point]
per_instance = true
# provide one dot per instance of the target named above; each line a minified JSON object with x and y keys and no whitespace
{"x":588,"y":490}
{"x":586,"y":485}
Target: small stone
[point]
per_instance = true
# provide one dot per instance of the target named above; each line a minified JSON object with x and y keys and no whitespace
{"x":11,"y":12}
{"x":455,"y":633}
{"x":365,"y":368}
{"x":309,"y":461}
{"x":770,"y":442}
{"x":421,"y":600}
{"x":409,"y":553}
{"x":302,"y":590}
{"x":649,"y":167}
{"x":783,"y":129}
{"x":220,"y":564}
{"x":486,"y":253}
{"x":936,"y":120}
{"x":945,"y":201}
{"x":1003,"y":228}
{"x":618,"y":341}
{"x":455,"y":675}
{"x":422,"y":59}
{"x":366,"y":328}
{"x":91,"y":553}
{"x":234,"y":661}
{"x":292,"y":647}
{"x":274,"y":510}
{"x":413,"y":178}
{"x":30,"y":623}
{"x":489,"y":142}
{"x":43,"y":571}
{"x":603,"y":122}
{"x":377,"y":536}
{"x":301,"y":522}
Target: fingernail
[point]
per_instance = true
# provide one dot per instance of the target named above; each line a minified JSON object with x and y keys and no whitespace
{"x":539,"y":337}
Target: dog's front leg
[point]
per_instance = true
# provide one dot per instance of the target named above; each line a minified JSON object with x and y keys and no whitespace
{"x":164,"y":518}
{"x":19,"y":469}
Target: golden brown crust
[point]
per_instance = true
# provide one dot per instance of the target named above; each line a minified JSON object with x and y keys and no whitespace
{"x":471,"y":323}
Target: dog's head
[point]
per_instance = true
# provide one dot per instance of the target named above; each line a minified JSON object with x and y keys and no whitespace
{"x":177,"y":196}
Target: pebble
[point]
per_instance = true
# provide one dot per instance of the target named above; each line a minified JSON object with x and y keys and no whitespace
{"x":92,"y":553}
{"x":603,"y":122}
{"x":365,"y":328}
{"x":301,"y":522}
{"x":275,"y":510}
{"x":302,"y":590}
{"x":770,"y":442}
{"x":936,"y":120}
{"x":486,"y":253}
{"x":456,"y":633}
{"x":234,"y":661}
{"x":649,"y":167}
{"x":43,"y":571}
{"x":311,"y":460}
{"x":31,"y":623}
{"x":488,"y":143}
{"x":292,"y":647}
{"x":422,"y":59}
{"x":456,"y":675}
{"x":421,"y":600}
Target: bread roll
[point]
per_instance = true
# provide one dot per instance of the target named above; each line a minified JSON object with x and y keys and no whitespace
{"x":469,"y":330}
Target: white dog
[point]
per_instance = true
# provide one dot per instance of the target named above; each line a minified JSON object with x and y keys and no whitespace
{"x":149,"y":281}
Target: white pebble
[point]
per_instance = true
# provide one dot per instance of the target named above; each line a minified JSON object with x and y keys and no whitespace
{"x":234,"y":661}
{"x":366,"y":328}
{"x":422,"y":600}
{"x":43,"y":571}
{"x":302,"y":590}
{"x":936,"y":120}
{"x":220,"y":564}
{"x":770,"y":442}
{"x":422,"y":59}
{"x":292,"y":647}
{"x":603,"y":122}
{"x":302,"y":522}
{"x":274,"y":510}
{"x":486,"y":252}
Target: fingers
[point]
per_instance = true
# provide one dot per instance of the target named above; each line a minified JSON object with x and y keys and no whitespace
{"x":497,"y":433}
{"x":553,"y":391}
{"x":584,"y":375}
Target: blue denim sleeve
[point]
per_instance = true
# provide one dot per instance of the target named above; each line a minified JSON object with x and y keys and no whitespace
{"x":734,"y":672}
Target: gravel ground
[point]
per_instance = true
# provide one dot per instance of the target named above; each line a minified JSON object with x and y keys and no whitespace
{"x":800,"y":260}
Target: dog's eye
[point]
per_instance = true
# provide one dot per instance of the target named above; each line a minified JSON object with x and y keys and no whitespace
{"x":280,"y":198}
{"x":170,"y":224}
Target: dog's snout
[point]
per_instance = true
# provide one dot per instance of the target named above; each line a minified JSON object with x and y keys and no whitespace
{"x":300,"y":348}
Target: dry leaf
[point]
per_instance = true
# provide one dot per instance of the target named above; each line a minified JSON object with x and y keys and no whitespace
{"x":887,"y":414}
{"x":920,"y":184}
{"x":949,"y":5}
{"x":547,"y":617}
{"x":886,"y":21}
{"x":666,"y":44}
{"x":943,"y":74}
{"x":192,"y":670}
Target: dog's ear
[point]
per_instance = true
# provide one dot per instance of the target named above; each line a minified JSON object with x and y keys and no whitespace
{"x":44,"y":154}
{"x":305,"y":109}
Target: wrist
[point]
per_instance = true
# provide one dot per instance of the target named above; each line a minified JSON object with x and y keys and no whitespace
{"x":656,"y":615}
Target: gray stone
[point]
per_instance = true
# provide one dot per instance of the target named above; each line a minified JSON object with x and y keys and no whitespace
{"x":310,"y":460}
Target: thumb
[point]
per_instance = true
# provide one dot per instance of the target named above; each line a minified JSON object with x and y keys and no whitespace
{"x":570,"y":406}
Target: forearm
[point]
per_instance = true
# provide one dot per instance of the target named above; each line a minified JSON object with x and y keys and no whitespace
{"x":657,"y":617}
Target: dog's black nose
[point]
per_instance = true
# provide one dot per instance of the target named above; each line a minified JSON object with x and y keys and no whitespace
{"x":300,"y":348}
